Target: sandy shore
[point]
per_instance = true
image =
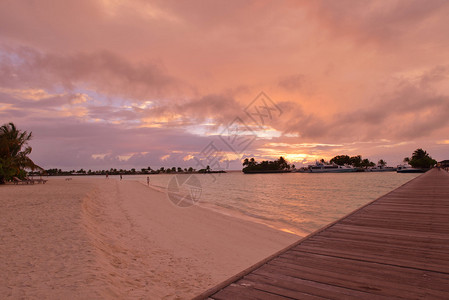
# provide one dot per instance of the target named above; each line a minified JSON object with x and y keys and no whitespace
{"x":98,"y":238}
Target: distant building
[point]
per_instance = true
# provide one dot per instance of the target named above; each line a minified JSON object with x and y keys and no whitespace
{"x":444,"y":163}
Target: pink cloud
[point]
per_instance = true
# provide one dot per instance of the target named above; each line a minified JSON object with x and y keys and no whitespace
{"x":166,"y":76}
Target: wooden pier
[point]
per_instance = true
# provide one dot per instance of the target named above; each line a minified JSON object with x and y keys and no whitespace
{"x":396,"y":247}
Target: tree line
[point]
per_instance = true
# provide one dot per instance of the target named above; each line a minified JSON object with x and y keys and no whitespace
{"x":133,"y":171}
{"x":356,"y":161}
{"x":279,"y":165}
{"x":419,"y":159}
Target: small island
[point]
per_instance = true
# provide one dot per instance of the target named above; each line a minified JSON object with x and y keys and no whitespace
{"x":420,"y":162}
{"x":251,"y":166}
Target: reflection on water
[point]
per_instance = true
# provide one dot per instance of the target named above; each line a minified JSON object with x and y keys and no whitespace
{"x":295,"y":202}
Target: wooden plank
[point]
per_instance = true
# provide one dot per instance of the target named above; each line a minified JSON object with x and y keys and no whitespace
{"x":385,"y":278}
{"x":368,"y":269}
{"x":362,"y":230}
{"x":279,"y":288}
{"x":412,"y":249}
{"x":236,"y":291}
{"x":354,"y":232}
{"x":381,"y":259}
{"x":410,"y":242}
{"x":301,"y":286}
{"x":342,"y":279}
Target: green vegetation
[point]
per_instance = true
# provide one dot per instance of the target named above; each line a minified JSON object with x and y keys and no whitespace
{"x":14,"y":151}
{"x":355,"y":161}
{"x":420,"y":159}
{"x":133,"y":171}
{"x":277,"y":166}
{"x":382,"y":163}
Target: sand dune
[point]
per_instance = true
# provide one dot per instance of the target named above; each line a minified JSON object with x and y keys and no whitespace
{"x":98,"y":238}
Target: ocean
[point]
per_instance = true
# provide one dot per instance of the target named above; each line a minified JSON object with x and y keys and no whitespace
{"x":299,"y":203}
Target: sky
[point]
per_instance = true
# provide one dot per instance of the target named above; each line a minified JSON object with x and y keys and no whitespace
{"x":135,"y":84}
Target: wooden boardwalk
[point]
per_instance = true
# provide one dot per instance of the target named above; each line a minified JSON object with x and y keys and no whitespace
{"x":396,"y":247}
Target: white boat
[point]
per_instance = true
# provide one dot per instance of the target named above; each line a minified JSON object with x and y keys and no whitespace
{"x":302,"y":170}
{"x":323,"y":168}
{"x":408,"y":169}
{"x":380,"y":168}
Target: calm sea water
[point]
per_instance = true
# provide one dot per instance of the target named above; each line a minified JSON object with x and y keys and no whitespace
{"x":296,"y":202}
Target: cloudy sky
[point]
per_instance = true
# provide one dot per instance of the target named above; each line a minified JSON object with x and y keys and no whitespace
{"x":135,"y":83}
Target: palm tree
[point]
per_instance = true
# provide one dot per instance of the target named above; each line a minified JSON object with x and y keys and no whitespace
{"x":419,"y":153}
{"x":14,"y":151}
{"x":421,"y":159}
{"x":252,"y":162}
{"x":282,"y":163}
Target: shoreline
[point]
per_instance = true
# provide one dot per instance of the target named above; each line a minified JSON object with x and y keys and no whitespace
{"x":234,"y":213}
{"x":299,"y":219}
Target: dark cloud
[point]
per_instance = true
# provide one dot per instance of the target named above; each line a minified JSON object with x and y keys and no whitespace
{"x":68,"y":143}
{"x":43,"y":102}
{"x":435,"y":75}
{"x":112,"y":113}
{"x":217,"y":108}
{"x":414,"y":109}
{"x":293,"y":82}
{"x":383,"y":23}
{"x":103,"y":72}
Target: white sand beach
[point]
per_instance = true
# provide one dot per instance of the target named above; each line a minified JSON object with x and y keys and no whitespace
{"x":98,"y":238}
